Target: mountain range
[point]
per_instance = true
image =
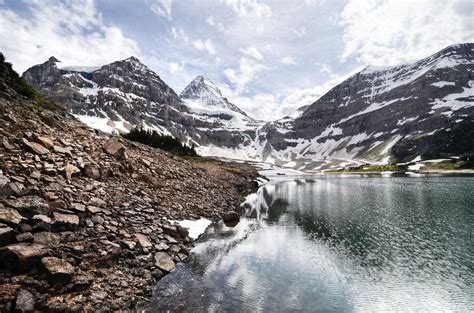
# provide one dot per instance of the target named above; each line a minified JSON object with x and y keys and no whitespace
{"x":421,"y":110}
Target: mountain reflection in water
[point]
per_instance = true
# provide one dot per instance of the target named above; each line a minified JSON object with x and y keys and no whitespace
{"x":335,"y":244}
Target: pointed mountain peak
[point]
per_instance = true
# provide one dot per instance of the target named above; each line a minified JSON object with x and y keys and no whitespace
{"x":132,"y":59}
{"x":200,"y":86}
{"x":53,"y":60}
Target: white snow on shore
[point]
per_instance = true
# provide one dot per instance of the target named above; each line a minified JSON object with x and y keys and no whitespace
{"x":196,"y":228}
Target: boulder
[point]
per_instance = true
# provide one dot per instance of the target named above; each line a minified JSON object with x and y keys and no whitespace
{"x":70,"y":170}
{"x":230,"y":217}
{"x":10,"y":216}
{"x":63,"y":222}
{"x":46,"y":141}
{"x":164,"y":262}
{"x":92,"y":171}
{"x":59,"y":271}
{"x":47,"y":238}
{"x":29,"y":206}
{"x":10,"y":189}
{"x":25,"y":301}
{"x":162,"y":246}
{"x":143,"y":241}
{"x":114,"y":147}
{"x":21,"y":257}
{"x":24,"y":237}
{"x":35,"y":147}
{"x":6,"y":235}
{"x":62,"y":150}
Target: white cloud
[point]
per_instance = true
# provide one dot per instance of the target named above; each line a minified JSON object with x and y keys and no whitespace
{"x":252,"y":52}
{"x":210,"y":21}
{"x":270,"y":107}
{"x":179,"y":34}
{"x":163,"y":8}
{"x":248,"y":68}
{"x":288,"y":60}
{"x":175,"y":67}
{"x":71,"y":31}
{"x":245,"y":8}
{"x":392,"y":32}
{"x":218,"y":25}
{"x":206,"y":45}
{"x":299,"y":32}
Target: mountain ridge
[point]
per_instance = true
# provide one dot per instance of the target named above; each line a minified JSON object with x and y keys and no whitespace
{"x":362,"y":119}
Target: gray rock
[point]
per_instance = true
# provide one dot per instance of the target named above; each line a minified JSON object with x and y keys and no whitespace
{"x":29,"y":206}
{"x":92,"y":171}
{"x":25,"y":301}
{"x":114,"y":147}
{"x":10,"y":189}
{"x":164,"y":262}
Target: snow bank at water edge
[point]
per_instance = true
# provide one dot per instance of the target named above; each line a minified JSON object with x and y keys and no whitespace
{"x":195,"y":228}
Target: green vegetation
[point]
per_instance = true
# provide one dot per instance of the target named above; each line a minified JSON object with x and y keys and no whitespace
{"x":164,"y":142}
{"x":372,"y":168}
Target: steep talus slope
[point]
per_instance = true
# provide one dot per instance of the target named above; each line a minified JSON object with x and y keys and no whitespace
{"x":85,"y":217}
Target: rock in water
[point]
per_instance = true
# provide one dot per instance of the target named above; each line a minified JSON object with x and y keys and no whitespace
{"x":114,"y":147}
{"x":59,"y":271}
{"x":164,"y":262}
{"x":231,"y":217}
{"x":25,"y":301}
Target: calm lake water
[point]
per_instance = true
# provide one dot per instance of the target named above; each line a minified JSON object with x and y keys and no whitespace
{"x":336,"y":244}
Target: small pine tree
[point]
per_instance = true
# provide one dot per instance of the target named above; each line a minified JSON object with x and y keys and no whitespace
{"x":164,"y":142}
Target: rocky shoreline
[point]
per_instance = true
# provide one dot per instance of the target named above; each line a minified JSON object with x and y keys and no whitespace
{"x":85,"y":216}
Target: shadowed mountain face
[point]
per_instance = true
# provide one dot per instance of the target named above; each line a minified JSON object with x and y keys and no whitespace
{"x":378,"y":115}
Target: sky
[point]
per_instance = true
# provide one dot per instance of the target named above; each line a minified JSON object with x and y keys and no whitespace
{"x":267,"y":57}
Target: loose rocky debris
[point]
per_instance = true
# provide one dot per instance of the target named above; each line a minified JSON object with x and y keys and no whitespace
{"x":85,"y":217}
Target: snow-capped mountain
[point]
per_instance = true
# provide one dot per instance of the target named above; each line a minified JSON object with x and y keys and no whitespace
{"x":378,"y":115}
{"x":204,"y":99}
{"x":394,"y":114}
{"x":126,"y":93}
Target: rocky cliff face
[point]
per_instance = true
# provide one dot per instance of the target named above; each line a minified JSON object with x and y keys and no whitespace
{"x":85,"y":217}
{"x":125,"y":94}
